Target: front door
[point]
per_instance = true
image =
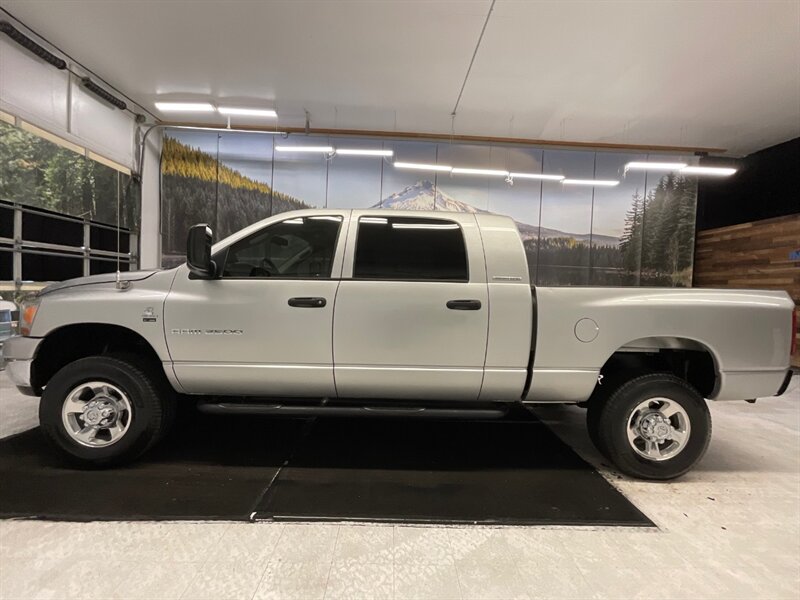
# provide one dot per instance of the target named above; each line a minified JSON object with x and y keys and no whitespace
{"x":411,"y":311}
{"x":264,"y":326}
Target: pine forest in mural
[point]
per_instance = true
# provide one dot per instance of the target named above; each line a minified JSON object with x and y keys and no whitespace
{"x":649,"y":239}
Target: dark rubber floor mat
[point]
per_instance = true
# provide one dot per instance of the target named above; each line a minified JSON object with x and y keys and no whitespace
{"x":510,"y":471}
{"x":505,"y":472}
{"x":211,"y":468}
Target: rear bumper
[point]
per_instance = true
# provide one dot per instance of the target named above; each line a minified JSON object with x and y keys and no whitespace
{"x":17,"y":356}
{"x":740,"y":385}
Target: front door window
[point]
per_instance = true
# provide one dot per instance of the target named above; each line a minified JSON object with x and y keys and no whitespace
{"x":298,"y":248}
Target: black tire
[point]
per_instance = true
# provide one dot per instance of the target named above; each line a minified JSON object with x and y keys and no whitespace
{"x":137,"y":379}
{"x":614,"y":414}
{"x":593,"y":412}
{"x":594,"y":405}
{"x":169,"y":399}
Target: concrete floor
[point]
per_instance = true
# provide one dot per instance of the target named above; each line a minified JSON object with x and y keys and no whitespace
{"x":728,"y":529}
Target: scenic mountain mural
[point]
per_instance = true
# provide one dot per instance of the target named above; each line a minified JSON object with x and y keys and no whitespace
{"x":655,"y":225}
{"x":421,"y":196}
{"x":196,"y":188}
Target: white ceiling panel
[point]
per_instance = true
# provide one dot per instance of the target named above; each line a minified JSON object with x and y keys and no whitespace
{"x":712,"y":74}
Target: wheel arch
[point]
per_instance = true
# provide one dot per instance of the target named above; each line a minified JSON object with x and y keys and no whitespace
{"x":75,"y":341}
{"x":687,"y":358}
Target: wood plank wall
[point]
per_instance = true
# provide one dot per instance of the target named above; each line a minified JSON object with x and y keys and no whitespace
{"x":751,"y":255}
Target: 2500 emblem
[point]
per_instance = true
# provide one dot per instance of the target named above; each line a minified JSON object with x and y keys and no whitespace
{"x":207,"y":331}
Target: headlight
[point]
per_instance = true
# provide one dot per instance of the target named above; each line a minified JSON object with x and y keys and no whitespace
{"x":27,"y":316}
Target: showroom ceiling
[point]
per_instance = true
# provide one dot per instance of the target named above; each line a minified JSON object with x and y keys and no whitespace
{"x":713,"y":74}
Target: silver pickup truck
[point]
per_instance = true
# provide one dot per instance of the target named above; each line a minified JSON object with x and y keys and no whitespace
{"x":370,"y":312}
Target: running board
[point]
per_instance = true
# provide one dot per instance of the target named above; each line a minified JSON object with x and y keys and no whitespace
{"x":299,"y":410}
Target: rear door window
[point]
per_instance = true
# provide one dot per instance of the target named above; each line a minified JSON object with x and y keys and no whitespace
{"x":411,"y":249}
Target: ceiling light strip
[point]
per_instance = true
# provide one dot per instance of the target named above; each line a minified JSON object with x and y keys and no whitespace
{"x":716,"y":171}
{"x":247,"y":112}
{"x":469,"y":171}
{"x":593,"y":182}
{"x":543,"y":176}
{"x":185,"y":107}
{"x":363,"y":152}
{"x":654,"y":166}
{"x":423,"y":166}
{"x":323,"y":149}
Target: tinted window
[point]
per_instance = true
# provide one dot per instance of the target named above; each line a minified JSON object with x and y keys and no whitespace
{"x":6,"y":222}
{"x":302,"y":247}
{"x":41,"y":227}
{"x":410,"y":248}
{"x":40,"y":267}
{"x":6,"y":264}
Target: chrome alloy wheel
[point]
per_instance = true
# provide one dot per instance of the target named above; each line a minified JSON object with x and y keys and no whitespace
{"x":658,"y":429}
{"x":96,"y":414}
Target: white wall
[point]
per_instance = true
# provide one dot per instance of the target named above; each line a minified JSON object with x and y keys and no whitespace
{"x":150,"y":235}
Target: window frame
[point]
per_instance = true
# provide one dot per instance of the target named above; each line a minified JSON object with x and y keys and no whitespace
{"x":221,"y":257}
{"x":411,"y":280}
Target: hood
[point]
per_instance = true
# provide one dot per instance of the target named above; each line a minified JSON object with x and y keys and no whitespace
{"x":95,"y":279}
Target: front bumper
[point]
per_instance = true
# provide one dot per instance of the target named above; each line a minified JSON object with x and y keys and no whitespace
{"x":18,"y":353}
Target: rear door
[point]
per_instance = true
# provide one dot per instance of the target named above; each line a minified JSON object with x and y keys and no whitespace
{"x":411,"y":312}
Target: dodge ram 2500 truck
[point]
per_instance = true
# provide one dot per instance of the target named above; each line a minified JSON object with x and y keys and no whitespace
{"x":407,"y":313}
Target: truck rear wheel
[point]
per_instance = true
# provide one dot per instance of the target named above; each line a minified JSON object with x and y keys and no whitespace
{"x":607,"y":385}
{"x":104,"y":410}
{"x":655,"y":426}
{"x":593,"y":412}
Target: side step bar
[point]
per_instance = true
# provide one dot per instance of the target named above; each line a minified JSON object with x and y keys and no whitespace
{"x":300,"y":410}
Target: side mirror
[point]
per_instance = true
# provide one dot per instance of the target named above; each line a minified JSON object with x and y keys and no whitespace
{"x":198,"y":253}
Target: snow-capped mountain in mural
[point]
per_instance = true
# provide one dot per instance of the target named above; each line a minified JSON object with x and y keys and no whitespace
{"x":420,"y":196}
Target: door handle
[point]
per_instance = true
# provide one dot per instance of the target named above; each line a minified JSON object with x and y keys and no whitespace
{"x":307,"y":302}
{"x":464,"y":304}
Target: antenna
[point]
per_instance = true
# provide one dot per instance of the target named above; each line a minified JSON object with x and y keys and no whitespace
{"x":121,"y":285}
{"x":118,"y":283}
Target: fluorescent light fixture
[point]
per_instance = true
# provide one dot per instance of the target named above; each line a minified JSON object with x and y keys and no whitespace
{"x":304,"y":148}
{"x":537,"y":176}
{"x":424,"y":226}
{"x":185,"y":106}
{"x":363,"y":152}
{"x":655,"y":166}
{"x":422,"y":166}
{"x":376,"y":220}
{"x":247,"y":112}
{"x":465,"y":171}
{"x":718,"y":171}
{"x":595,"y":182}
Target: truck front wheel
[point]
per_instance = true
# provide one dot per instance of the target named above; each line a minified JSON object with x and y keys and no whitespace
{"x":104,"y":410}
{"x":655,"y":426}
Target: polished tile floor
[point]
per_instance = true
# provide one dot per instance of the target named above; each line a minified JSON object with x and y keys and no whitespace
{"x":729,"y":529}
